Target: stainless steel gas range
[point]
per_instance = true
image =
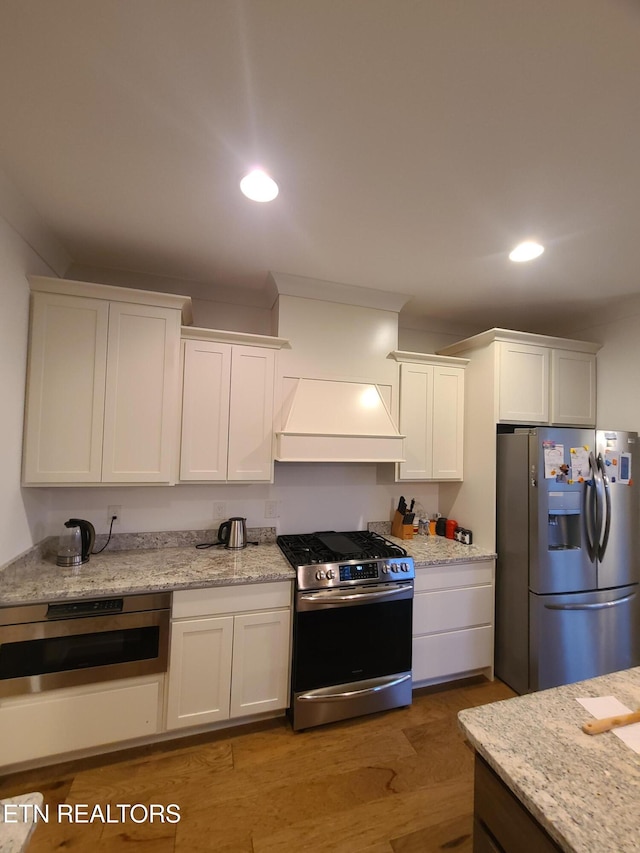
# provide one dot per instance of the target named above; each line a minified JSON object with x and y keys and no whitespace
{"x":352,"y":625}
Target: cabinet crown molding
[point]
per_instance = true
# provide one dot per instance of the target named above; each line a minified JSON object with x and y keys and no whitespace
{"x":428,"y":358}
{"x":512,"y":336}
{"x":193,"y":333}
{"x":111,"y":293}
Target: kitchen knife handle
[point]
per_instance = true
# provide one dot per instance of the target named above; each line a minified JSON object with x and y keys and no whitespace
{"x":595,"y":727}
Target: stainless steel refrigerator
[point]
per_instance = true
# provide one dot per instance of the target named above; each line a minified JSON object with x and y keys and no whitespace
{"x":568,"y":567}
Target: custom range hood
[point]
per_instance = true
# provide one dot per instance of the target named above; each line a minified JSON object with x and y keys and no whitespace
{"x":331,"y":420}
{"x":338,"y":387}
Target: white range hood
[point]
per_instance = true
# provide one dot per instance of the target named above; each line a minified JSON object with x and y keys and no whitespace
{"x":338,"y":389}
{"x":338,"y":421}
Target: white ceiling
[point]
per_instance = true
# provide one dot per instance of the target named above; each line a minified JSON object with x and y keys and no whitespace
{"x":414,"y":141}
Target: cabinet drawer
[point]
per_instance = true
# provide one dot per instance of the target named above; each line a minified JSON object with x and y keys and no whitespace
{"x":453,"y":575}
{"x":70,"y":719}
{"x":450,"y":609}
{"x":231,"y":599}
{"x":452,"y":653}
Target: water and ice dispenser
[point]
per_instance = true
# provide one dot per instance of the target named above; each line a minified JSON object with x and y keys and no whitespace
{"x":565,"y":519}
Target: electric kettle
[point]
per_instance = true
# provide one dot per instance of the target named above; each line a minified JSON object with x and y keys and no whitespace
{"x":76,"y":542}
{"x":233,"y":533}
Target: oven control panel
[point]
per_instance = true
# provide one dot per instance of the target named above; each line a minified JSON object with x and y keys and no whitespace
{"x":359,"y":571}
{"x":354,"y":572}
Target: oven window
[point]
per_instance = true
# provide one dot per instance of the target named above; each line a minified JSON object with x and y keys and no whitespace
{"x":61,"y":654}
{"x":342,"y":644}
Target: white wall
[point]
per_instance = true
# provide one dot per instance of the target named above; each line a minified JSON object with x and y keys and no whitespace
{"x":214,"y":306}
{"x":618,"y":330}
{"x":23,"y":512}
{"x":310,"y":497}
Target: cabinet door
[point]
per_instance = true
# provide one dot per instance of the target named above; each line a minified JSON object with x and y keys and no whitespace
{"x":73,"y":718}
{"x":141,"y":404}
{"x":65,"y":390}
{"x":251,"y":414}
{"x":416,"y":403}
{"x":452,"y":653}
{"x":205,"y":410}
{"x":261,"y":653}
{"x":452,"y":609}
{"x":448,"y":423}
{"x":199,"y":671}
{"x":573,"y":388}
{"x":523,"y":383}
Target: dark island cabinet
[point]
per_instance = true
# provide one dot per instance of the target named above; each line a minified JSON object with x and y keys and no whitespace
{"x":501,"y":823}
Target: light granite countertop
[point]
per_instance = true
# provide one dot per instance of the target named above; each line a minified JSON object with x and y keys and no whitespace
{"x":17,"y":821}
{"x":140,"y":571}
{"x":583,"y":789}
{"x":431,"y":550}
{"x":159,"y":562}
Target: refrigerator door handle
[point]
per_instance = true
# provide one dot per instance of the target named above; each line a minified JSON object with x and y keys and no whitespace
{"x":589,"y":508}
{"x":600,"y":605}
{"x":602,"y":547}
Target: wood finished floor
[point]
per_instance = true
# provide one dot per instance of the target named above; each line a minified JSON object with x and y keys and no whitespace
{"x":397,"y":782}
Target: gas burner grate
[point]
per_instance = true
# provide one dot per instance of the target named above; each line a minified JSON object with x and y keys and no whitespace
{"x":330,"y":546}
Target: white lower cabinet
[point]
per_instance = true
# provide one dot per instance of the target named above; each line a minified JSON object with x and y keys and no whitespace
{"x":453,"y":611}
{"x":200,"y":667}
{"x":230,"y":653}
{"x":77,"y":718}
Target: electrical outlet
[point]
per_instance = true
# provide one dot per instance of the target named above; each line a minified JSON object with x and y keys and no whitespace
{"x":111,"y":511}
{"x":219,"y":510}
{"x":271,"y":509}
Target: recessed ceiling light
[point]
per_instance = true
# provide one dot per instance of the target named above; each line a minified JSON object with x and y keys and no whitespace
{"x":258,"y":186}
{"x":526,"y":251}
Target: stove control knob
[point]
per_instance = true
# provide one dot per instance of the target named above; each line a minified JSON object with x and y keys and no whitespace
{"x":319,"y":575}
{"x":331,"y":574}
{"x":405,"y":567}
{"x":386,"y":568}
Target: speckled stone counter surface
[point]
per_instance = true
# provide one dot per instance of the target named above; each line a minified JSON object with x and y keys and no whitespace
{"x":17,"y":821}
{"x":35,"y":577}
{"x":583,"y":789}
{"x":431,"y":550}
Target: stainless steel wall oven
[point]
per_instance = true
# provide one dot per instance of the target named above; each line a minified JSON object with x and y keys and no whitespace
{"x":46,"y":646}
{"x":352,"y":626}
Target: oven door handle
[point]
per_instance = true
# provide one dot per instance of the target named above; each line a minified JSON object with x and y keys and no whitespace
{"x":328,"y":694}
{"x":339,"y":598}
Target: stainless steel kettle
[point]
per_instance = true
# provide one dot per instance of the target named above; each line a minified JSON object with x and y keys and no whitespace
{"x":233,"y":533}
{"x":76,"y":542}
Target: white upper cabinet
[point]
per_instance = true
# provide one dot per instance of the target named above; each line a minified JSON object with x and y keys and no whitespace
{"x":523,"y":373}
{"x":227,"y":407}
{"x":102,"y":384}
{"x":251,"y":413}
{"x":65,"y":390}
{"x":534,"y":379}
{"x":142,"y":396}
{"x":206,"y":390}
{"x":573,"y":388}
{"x":431,"y":416}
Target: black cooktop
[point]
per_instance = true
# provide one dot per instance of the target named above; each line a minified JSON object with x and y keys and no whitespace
{"x":329,"y":546}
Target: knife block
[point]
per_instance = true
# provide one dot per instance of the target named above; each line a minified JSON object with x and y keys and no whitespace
{"x":399,"y":529}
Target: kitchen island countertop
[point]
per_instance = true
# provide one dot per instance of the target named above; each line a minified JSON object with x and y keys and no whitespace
{"x":583,"y":789}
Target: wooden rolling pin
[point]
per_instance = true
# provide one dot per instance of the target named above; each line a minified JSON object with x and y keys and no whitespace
{"x":595,"y":727}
